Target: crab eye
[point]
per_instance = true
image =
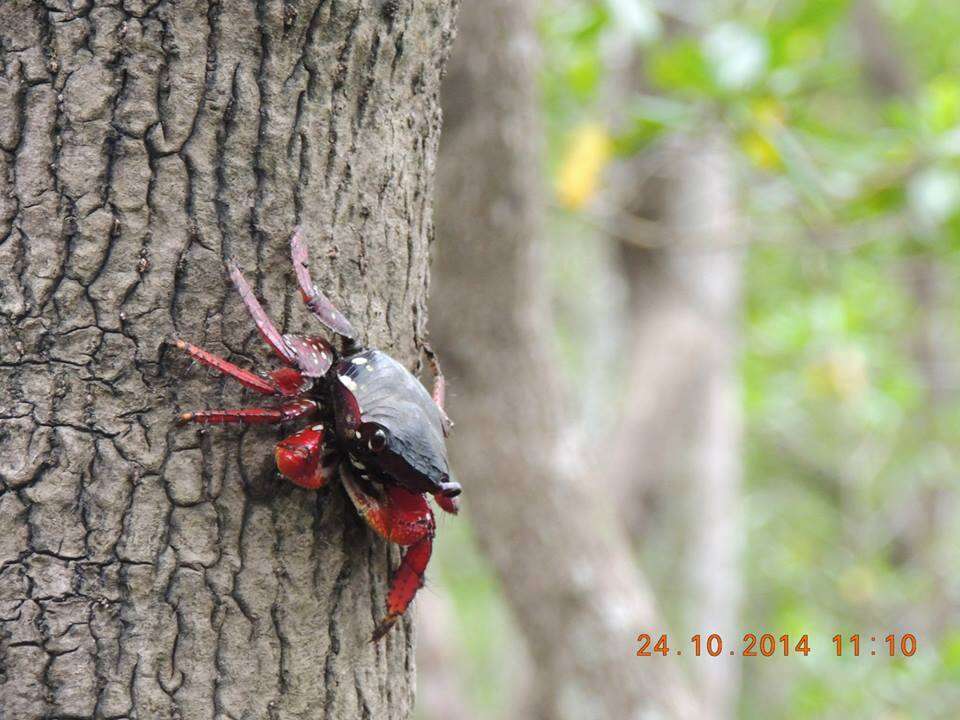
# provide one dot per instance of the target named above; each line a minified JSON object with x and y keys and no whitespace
{"x":377,"y":441}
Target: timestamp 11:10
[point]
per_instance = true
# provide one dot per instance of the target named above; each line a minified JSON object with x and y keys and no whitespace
{"x":768,"y":645}
{"x":904,"y":645}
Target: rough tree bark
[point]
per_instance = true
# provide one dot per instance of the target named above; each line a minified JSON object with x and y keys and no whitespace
{"x":540,"y":506}
{"x":151,"y":571}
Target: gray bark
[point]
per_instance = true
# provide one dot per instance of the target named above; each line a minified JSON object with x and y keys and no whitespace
{"x":539,"y":504}
{"x":152,"y":571}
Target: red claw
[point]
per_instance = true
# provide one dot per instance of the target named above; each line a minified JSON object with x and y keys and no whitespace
{"x":300,"y":459}
{"x":404,"y":518}
{"x":447,"y":503}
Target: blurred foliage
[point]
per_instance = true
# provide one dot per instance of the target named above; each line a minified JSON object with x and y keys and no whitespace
{"x":579,"y":175}
{"x":850,"y":192}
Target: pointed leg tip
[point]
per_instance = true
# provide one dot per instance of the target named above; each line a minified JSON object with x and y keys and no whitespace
{"x":384,"y":627}
{"x":185,"y":417}
{"x":233,"y":270}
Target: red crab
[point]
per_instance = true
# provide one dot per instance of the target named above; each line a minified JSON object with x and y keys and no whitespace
{"x":368,"y":416}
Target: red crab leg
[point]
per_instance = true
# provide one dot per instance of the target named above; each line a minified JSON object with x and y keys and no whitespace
{"x":446,"y":503}
{"x":264,"y":324}
{"x":439,"y":382}
{"x":404,"y":518}
{"x":318,"y":303}
{"x":245,"y":377}
{"x":289,"y":381}
{"x":406,"y":581}
{"x":313,"y":355}
{"x":300,"y":458}
{"x":251,"y":416}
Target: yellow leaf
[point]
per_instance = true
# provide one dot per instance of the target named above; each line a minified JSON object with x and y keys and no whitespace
{"x":767,"y":116}
{"x":761,"y":151}
{"x":578,"y":176}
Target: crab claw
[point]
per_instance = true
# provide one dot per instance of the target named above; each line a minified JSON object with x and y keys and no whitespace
{"x":404,"y":518}
{"x":447,"y":503}
{"x":446,"y":496}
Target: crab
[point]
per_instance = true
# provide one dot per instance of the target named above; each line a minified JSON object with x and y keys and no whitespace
{"x":369,"y":420}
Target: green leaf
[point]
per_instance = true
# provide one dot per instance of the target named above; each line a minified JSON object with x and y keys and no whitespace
{"x":681,"y":66}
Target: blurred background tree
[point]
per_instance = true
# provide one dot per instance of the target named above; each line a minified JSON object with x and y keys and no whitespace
{"x":752,"y":253}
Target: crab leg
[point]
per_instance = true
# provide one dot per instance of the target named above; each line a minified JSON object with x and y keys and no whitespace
{"x":447,"y":503}
{"x":404,"y":518}
{"x":406,"y":581}
{"x":290,"y":382}
{"x":252,"y":416}
{"x":301,"y":460}
{"x":264,"y":324}
{"x":439,"y":383}
{"x":245,"y":377}
{"x":318,"y":303}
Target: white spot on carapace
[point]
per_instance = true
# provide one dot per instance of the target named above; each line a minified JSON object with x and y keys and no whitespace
{"x":359,"y":361}
{"x":357,"y":433}
{"x":348,"y":383}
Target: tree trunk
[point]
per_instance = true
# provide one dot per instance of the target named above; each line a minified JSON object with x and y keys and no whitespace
{"x":932,"y":343}
{"x":540,"y":506}
{"x":152,"y":571}
{"x":677,"y":450}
